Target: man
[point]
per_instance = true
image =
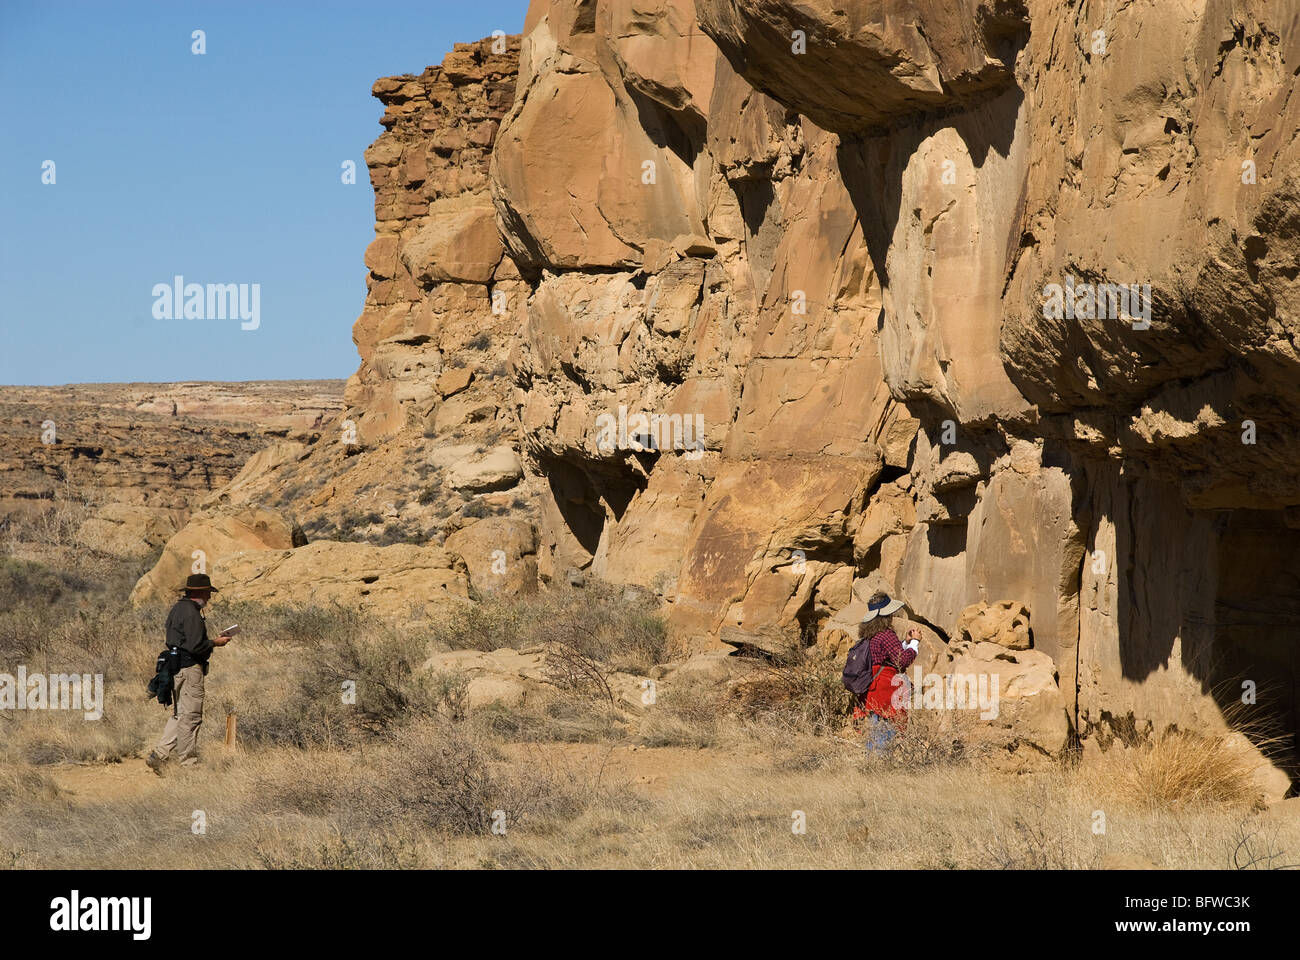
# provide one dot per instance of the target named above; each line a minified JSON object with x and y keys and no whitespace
{"x":188,"y":633}
{"x":890,"y":657}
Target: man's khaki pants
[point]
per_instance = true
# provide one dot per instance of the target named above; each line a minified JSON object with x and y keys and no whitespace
{"x":182,"y":732}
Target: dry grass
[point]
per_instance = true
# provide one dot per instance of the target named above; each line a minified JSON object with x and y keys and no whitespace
{"x":52,"y":524}
{"x":699,"y":779}
{"x":1178,"y":769}
{"x":616,"y":626}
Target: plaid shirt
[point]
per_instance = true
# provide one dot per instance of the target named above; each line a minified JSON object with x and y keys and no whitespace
{"x":887,"y":650}
{"x":888,"y":658}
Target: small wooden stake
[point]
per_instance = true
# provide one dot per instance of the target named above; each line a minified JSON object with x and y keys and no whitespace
{"x":231,"y":720}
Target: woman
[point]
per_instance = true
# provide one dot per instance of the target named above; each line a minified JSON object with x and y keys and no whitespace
{"x":889,"y":657}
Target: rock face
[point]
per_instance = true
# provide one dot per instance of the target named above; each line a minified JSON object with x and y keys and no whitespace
{"x":990,"y":303}
{"x":438,"y":279}
{"x":791,"y":327}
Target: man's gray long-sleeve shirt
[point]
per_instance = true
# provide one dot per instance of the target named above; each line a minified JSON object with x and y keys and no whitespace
{"x":187,"y":629}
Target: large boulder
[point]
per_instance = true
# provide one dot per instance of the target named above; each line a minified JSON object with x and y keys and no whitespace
{"x":459,"y":241}
{"x":519,"y":678}
{"x":209,"y":538}
{"x":401,"y":581}
{"x":498,"y":469}
{"x":500,"y":554}
{"x":1005,"y":623}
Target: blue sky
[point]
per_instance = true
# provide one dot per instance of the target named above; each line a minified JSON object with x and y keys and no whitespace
{"x":222,"y":168}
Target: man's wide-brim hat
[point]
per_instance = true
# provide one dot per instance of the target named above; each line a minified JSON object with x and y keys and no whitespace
{"x":881,"y":605}
{"x":199,"y":581}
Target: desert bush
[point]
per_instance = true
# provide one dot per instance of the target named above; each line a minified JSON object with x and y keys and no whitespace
{"x":1034,"y":842}
{"x":326,"y":647}
{"x":395,"y":532}
{"x":56,"y":523}
{"x":798,"y":691}
{"x":25,"y":580}
{"x":446,"y":777}
{"x":933,"y":737}
{"x":75,"y":622}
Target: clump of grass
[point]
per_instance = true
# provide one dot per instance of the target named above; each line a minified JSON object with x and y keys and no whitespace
{"x":1178,"y":768}
{"x":337,"y":851}
{"x":688,"y":713}
{"x":678,"y":727}
{"x":17,"y":783}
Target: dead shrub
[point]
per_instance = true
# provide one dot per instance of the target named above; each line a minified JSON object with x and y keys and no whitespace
{"x":328,"y":647}
{"x":440,"y":775}
{"x":1256,"y":847}
{"x":932,"y":737}
{"x":803,"y":692}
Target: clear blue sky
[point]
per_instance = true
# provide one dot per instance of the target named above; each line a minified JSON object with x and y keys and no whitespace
{"x":223,"y":168}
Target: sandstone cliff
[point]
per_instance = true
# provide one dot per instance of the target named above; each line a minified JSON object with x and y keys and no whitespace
{"x":772,"y":279}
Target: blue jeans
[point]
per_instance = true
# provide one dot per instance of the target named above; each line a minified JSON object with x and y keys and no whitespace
{"x":879,"y":732}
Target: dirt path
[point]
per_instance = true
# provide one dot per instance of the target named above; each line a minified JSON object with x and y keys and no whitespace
{"x":653,"y":769}
{"x":97,"y":782}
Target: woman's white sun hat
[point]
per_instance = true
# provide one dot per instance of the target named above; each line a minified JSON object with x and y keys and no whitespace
{"x":880,"y":605}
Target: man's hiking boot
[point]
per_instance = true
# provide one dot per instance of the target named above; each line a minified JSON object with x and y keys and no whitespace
{"x":155,"y":763}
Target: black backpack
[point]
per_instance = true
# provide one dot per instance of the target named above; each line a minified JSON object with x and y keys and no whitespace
{"x":858,"y":671}
{"x":169,"y":664}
